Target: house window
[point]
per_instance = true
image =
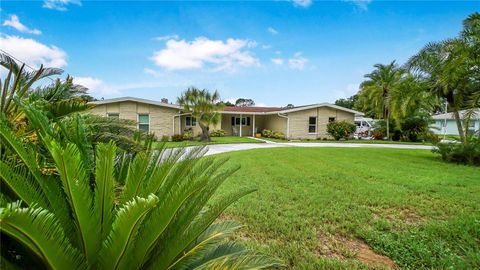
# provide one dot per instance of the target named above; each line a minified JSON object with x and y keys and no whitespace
{"x":312,"y":125}
{"x":144,"y":122}
{"x":331,"y":119}
{"x":113,"y":115}
{"x":190,"y":121}
{"x":236,"y":121}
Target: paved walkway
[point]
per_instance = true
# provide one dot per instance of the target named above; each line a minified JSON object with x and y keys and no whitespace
{"x":224,"y":148}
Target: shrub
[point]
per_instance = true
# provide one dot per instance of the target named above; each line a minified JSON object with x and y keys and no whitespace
{"x":377,"y":135}
{"x":188,"y":134}
{"x":416,"y":128}
{"x":217,"y":133}
{"x":342,"y":129}
{"x":177,"y":138}
{"x":460,"y":153}
{"x":266,"y":133}
{"x":273,"y":134}
{"x":165,"y":138}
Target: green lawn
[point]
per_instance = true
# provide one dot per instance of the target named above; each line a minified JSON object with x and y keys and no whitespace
{"x":215,"y":140}
{"x":317,"y":208}
{"x":349,"y":141}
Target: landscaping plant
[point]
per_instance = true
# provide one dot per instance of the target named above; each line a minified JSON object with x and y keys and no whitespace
{"x":59,"y":210}
{"x":341,"y":129}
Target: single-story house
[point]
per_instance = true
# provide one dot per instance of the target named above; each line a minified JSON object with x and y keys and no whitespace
{"x":164,"y":119}
{"x":445,"y":124}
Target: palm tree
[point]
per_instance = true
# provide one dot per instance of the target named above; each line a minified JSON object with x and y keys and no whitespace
{"x":67,"y":214}
{"x":381,"y":82}
{"x":204,"y":106}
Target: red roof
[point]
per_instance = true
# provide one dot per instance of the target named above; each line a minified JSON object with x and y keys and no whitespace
{"x":252,"y":109}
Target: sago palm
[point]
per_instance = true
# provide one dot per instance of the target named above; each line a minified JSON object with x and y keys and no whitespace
{"x":65,"y":215}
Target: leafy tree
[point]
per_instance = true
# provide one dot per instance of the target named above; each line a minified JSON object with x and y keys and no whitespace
{"x":348,"y":103}
{"x":244,"y":102}
{"x":69,"y":214}
{"x":376,"y":89}
{"x":290,"y":106}
{"x":204,"y":106}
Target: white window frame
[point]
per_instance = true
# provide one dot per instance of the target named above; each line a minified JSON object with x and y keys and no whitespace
{"x":191,"y":120}
{"x":138,"y":120}
{"x":315,"y":125}
{"x":241,"y":122}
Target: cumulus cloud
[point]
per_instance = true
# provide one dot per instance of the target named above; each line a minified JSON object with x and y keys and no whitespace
{"x":167,"y":37}
{"x":302,"y":3}
{"x":350,"y":90}
{"x":361,"y":4}
{"x":297,"y":61}
{"x":14,"y":22}
{"x":95,"y":86}
{"x":33,"y":52}
{"x":60,"y":5}
{"x":203,"y":52}
{"x":277,"y":61}
{"x":272,"y":30}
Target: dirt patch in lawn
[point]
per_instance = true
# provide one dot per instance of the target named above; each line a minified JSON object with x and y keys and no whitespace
{"x":407,"y":215}
{"x":344,"y":248}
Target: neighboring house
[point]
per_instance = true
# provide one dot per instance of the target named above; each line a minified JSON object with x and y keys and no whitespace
{"x":302,"y":122}
{"x":445,"y":124}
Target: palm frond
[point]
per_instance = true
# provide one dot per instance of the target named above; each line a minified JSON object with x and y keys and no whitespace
{"x":38,"y":229}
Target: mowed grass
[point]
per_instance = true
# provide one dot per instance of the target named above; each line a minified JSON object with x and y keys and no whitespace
{"x":215,"y":140}
{"x":405,"y":204}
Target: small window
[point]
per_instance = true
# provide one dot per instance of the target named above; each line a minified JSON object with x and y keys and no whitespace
{"x":233,"y":120}
{"x":245,"y":121}
{"x":331,"y":119}
{"x":113,"y":115}
{"x":237,"y":121}
{"x":190,"y":121}
{"x":144,"y":122}
{"x":312,"y":125}
{"x":248,"y":121}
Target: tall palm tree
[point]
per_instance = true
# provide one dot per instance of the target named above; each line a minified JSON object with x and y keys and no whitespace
{"x":66,"y":214}
{"x":376,"y":89}
{"x":204,"y":106}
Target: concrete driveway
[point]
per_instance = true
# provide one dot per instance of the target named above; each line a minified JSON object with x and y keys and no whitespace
{"x":224,"y":148}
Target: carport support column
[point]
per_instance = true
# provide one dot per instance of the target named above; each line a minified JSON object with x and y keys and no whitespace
{"x":253,"y":126}
{"x":240,"y":125}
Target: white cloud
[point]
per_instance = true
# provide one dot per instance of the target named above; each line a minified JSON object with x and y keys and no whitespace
{"x":95,"y":86}
{"x":302,"y":3}
{"x":60,"y":5}
{"x":167,"y":37}
{"x":15,"y":23}
{"x":361,"y":4}
{"x":349,"y":91}
{"x":33,"y":52}
{"x":297,"y":61}
{"x":266,"y":47}
{"x":272,"y":31}
{"x":220,"y":55}
{"x":277,"y":61}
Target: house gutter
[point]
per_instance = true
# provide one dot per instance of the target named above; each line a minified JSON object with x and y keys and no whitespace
{"x":288,"y":124}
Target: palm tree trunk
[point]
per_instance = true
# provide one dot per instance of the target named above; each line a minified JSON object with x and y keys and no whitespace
{"x":205,"y":136}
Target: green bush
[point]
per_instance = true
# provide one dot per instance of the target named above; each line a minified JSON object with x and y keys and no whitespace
{"x":416,"y":128}
{"x":273,"y":134}
{"x":217,"y":133}
{"x":468,"y":153}
{"x":165,"y":138}
{"x":177,"y":138}
{"x":188,"y":135}
{"x":340,"y":129}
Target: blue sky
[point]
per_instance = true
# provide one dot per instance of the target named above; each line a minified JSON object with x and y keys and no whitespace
{"x":275,"y":52}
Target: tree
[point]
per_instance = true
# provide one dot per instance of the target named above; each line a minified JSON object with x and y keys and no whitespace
{"x":244,"y":102}
{"x":376,"y":90}
{"x":67,"y":214}
{"x":348,"y":103}
{"x":451,"y":68}
{"x":340,"y":130}
{"x":204,"y":106}
{"x":290,"y":106}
